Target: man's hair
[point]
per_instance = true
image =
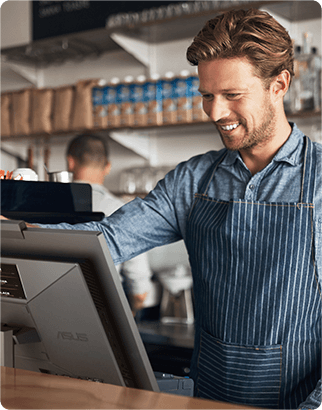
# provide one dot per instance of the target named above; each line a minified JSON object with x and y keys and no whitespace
{"x":251,"y":33}
{"x":88,"y":149}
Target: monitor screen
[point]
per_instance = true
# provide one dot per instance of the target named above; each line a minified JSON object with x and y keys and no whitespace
{"x":41,"y":196}
{"x":63,"y":297}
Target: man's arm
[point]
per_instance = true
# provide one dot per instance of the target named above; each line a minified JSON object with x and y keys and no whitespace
{"x":141,"y":224}
{"x":137,"y":276}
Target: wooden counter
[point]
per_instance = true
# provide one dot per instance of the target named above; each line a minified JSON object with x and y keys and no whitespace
{"x":21,"y":389}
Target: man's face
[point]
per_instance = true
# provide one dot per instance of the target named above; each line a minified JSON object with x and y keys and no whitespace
{"x":236,"y":100}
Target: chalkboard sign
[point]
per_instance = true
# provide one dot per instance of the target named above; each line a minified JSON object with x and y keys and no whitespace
{"x":55,"y":18}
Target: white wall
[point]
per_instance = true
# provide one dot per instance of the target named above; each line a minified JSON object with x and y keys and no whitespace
{"x":177,"y":148}
{"x":15,"y":23}
{"x":172,"y":57}
{"x":106,"y":66}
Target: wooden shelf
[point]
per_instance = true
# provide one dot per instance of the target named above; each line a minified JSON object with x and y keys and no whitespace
{"x":304,"y":114}
{"x":94,"y":130}
{"x":157,"y":129}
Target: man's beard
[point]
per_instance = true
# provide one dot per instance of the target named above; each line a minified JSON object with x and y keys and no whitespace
{"x":258,"y":137}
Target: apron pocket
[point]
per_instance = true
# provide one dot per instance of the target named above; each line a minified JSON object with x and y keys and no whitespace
{"x":239,"y":374}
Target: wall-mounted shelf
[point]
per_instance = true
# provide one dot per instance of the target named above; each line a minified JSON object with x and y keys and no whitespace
{"x":158,"y":130}
{"x":164,"y":27}
{"x":304,"y":114}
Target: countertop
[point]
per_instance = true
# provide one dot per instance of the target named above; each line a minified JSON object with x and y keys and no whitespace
{"x":21,"y":389}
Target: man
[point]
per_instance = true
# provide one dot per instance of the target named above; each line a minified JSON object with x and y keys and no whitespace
{"x":87,"y":158}
{"x":250,"y":216}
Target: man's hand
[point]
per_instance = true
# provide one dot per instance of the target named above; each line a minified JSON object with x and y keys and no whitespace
{"x":137,"y":301}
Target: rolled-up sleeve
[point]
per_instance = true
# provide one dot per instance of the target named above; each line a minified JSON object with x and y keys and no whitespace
{"x":139,"y":225}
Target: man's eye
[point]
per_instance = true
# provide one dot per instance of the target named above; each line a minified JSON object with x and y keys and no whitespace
{"x":233,"y":96}
{"x":207,"y":96}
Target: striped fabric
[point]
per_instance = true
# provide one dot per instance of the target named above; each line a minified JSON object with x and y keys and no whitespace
{"x":258,"y":304}
{"x":243,"y":373}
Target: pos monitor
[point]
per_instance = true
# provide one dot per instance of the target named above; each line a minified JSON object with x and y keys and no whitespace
{"x":63,"y":303}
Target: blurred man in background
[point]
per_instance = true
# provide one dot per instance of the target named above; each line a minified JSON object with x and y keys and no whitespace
{"x":88,"y":159}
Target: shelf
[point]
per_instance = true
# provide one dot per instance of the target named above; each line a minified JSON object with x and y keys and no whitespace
{"x":116,"y":129}
{"x":304,"y":114}
{"x":158,"y":130}
{"x":92,"y":43}
{"x":296,"y":10}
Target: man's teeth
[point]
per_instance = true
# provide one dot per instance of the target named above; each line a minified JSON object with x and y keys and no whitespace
{"x":229,"y":127}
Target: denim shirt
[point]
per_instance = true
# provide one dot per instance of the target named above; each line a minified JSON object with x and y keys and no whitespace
{"x":161,"y":217}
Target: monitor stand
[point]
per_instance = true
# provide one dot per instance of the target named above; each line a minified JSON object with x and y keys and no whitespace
{"x":12,"y":334}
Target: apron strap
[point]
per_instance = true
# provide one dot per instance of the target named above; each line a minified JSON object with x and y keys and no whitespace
{"x":308,"y":174}
{"x":205,"y":181}
{"x":208,"y":176}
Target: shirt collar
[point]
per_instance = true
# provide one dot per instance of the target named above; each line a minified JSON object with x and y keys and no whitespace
{"x":289,"y":152}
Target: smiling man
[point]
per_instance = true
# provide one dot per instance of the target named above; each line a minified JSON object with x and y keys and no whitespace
{"x":246,"y":108}
{"x":250,"y":216}
{"x":244,"y":112}
{"x":258,"y":322}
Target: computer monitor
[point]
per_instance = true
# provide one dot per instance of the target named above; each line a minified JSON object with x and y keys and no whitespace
{"x":62,"y":298}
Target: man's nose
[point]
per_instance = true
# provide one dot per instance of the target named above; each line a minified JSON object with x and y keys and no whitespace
{"x":217,"y":109}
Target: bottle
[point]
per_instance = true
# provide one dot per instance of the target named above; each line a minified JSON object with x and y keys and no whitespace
{"x":113,"y":107}
{"x":99,"y":105}
{"x":307,"y":41}
{"x":307,"y":79}
{"x":306,"y":74}
{"x":295,"y":88}
{"x":169,"y":109}
{"x":139,"y":105}
{"x":302,"y":89}
{"x":126,"y":103}
{"x":316,"y":69}
{"x":183,"y":97}
{"x":152,"y":94}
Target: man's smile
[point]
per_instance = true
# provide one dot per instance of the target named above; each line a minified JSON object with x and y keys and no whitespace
{"x":229,"y":127}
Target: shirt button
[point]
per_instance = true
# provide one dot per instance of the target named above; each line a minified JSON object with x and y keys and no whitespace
{"x":251,"y":187}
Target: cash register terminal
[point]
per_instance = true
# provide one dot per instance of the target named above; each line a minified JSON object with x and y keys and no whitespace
{"x":64,"y":311}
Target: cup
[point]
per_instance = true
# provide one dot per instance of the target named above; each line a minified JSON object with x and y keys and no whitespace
{"x":60,"y":176}
{"x":27,"y":174}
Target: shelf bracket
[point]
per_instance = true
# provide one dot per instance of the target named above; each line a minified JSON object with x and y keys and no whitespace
{"x":136,"y":142}
{"x":27,"y":73}
{"x":139,"y":49}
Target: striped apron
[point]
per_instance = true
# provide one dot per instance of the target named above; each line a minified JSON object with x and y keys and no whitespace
{"x":257,"y":299}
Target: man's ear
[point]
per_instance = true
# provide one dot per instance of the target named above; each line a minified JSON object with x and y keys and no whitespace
{"x":107,"y":168}
{"x":71,"y":163}
{"x":281,"y":84}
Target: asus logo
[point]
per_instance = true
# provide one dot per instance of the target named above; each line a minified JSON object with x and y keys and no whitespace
{"x":79,"y":337}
